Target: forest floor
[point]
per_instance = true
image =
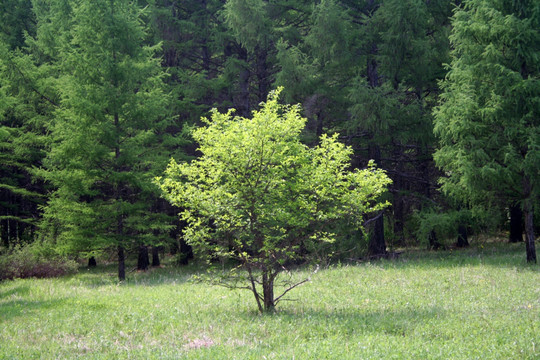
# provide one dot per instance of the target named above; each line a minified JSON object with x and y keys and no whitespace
{"x":478,"y":303}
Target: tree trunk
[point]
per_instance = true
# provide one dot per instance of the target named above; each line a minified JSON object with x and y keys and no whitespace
{"x":240,"y":96}
{"x":528,"y":214}
{"x":5,"y":233}
{"x":187,"y":252}
{"x":92,"y":262}
{"x":377,"y":244}
{"x":121,"y":264}
{"x":516,"y":224}
{"x":462,"y":240}
{"x":268,"y":291}
{"x":529,"y":235}
{"x":13,"y":230}
{"x":143,"y":260}
{"x":398,"y":203}
{"x":262,"y":73}
{"x":121,"y":256}
{"x":434,"y":244}
{"x":372,"y":71}
{"x":155,"y":256}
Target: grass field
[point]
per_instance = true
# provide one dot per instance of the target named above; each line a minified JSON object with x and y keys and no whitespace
{"x":479,"y":303}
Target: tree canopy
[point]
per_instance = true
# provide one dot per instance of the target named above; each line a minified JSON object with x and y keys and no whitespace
{"x":488,"y":122}
{"x":260,"y":196}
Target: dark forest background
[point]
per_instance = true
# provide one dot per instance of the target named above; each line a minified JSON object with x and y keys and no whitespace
{"x":97,"y":96}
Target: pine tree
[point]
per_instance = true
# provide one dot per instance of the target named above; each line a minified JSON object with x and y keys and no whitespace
{"x":109,"y":138}
{"x":405,"y":43}
{"x":488,"y":121}
{"x":25,"y":108}
{"x":369,"y":70}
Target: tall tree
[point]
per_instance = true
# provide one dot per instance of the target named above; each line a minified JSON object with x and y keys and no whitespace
{"x":25,"y":108}
{"x":20,"y":150}
{"x":108,"y":132}
{"x":488,"y":122}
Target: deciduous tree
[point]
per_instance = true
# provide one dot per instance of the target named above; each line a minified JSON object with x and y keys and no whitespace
{"x":260,"y":196}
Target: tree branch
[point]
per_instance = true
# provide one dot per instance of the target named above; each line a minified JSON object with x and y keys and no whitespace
{"x":289,"y":289}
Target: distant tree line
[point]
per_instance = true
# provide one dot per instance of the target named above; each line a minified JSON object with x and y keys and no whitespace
{"x":97,"y":96}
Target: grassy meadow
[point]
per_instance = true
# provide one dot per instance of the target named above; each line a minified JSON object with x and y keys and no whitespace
{"x":479,"y":303}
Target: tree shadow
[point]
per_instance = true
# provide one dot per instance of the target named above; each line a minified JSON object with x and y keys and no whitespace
{"x":19,"y":290}
{"x":490,"y":254}
{"x":106,"y":275}
{"x":349,"y":321}
{"x":20,"y":307}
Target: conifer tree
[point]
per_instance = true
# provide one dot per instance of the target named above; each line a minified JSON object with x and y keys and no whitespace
{"x":488,"y":122}
{"x":108,"y":132}
{"x":25,"y":107}
{"x":370,"y":70}
{"x":20,"y":149}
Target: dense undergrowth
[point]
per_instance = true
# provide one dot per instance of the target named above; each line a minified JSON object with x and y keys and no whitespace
{"x":33,"y":261}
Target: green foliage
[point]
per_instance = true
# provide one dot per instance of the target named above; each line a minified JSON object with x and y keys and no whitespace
{"x":488,"y":120}
{"x":258,"y":195}
{"x":317,"y":68}
{"x":25,"y":108}
{"x":248,"y":22}
{"x":16,"y":22}
{"x":109,"y":131}
{"x":445,"y":223}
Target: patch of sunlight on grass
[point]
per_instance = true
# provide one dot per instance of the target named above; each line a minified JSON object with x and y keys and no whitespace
{"x":480,"y":303}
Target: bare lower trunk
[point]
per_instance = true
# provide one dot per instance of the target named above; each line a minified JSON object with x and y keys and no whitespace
{"x":398,"y":203}
{"x":121,"y":264}
{"x":462,"y":240}
{"x":434,"y":244}
{"x":143,"y":261}
{"x":268,"y":291}
{"x":254,"y":288}
{"x":528,"y":214}
{"x":529,"y":237}
{"x":398,"y":207}
{"x":5,"y":233}
{"x":155,"y":256}
{"x":516,"y":224}
{"x":377,"y":244}
{"x":92,"y":262}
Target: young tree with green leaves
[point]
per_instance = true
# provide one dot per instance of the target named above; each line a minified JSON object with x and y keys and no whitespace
{"x":108,"y":133}
{"x":261,"y":197}
{"x":488,"y":122}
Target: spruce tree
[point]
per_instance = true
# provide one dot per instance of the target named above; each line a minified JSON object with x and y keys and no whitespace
{"x":109,"y":138}
{"x":488,"y":122}
{"x":369,"y":70}
{"x":26,"y":106}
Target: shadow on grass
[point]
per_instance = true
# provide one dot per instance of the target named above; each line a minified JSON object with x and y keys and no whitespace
{"x":15,"y":308}
{"x":106,"y":275}
{"x":20,"y":290}
{"x":490,"y":254}
{"x":351,"y":321}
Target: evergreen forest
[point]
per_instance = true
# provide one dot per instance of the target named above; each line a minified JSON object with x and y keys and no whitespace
{"x":360,"y":129}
